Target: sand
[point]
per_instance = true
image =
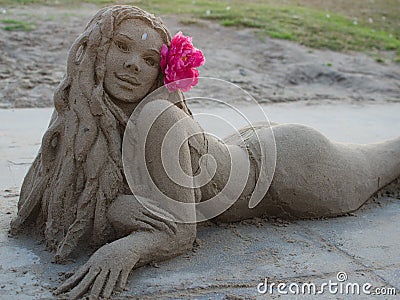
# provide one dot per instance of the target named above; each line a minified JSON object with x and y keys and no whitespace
{"x":295,"y":74}
{"x":33,"y":63}
{"x":27,"y":271}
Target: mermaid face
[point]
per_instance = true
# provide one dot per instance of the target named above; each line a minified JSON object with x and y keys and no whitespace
{"x":133,"y":61}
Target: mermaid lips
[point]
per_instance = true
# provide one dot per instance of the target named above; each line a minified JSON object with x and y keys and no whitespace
{"x":127,"y":78}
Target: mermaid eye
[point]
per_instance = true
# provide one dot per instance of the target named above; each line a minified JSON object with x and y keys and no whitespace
{"x":150,"y":61}
{"x":122,"y":46}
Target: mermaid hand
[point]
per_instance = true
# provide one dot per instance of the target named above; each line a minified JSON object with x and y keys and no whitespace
{"x":106,"y":270}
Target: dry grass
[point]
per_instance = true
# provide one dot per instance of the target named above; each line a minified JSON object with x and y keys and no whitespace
{"x":371,"y":26}
{"x":385,"y":14}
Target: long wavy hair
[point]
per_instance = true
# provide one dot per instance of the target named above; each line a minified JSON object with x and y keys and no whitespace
{"x":78,"y":171}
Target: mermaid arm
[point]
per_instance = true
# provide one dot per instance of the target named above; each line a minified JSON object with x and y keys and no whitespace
{"x":109,"y":267}
{"x":147,"y":235}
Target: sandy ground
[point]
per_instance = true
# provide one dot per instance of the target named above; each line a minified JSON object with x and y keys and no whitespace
{"x":33,"y":63}
{"x":349,"y":97}
{"x":229,"y":260}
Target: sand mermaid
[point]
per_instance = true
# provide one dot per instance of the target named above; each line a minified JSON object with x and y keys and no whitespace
{"x":76,"y":191}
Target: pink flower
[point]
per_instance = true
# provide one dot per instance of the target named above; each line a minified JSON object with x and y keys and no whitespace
{"x":179,"y":63}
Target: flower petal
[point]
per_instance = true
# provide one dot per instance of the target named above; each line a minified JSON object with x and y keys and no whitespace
{"x":179,"y":63}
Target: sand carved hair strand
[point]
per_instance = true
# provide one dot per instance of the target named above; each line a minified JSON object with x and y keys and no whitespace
{"x":78,"y":170}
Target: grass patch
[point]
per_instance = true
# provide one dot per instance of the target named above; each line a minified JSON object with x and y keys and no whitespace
{"x":340,"y":25}
{"x":350,"y":28}
{"x":191,"y":21}
{"x":54,"y":2}
{"x":17,"y":25}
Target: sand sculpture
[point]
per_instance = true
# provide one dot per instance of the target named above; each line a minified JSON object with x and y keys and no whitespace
{"x":76,"y":190}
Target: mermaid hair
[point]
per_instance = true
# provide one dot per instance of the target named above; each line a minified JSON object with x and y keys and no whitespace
{"x":78,"y":171}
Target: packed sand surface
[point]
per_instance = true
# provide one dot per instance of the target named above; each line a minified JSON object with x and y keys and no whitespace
{"x":228,"y":259}
{"x":34,"y":62}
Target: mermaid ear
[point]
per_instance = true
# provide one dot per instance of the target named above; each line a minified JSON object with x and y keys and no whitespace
{"x":80,"y":53}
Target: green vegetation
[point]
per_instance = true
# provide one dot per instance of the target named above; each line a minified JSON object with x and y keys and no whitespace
{"x":341,"y":25}
{"x":312,"y":27}
{"x":54,"y":2}
{"x":17,"y":25}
